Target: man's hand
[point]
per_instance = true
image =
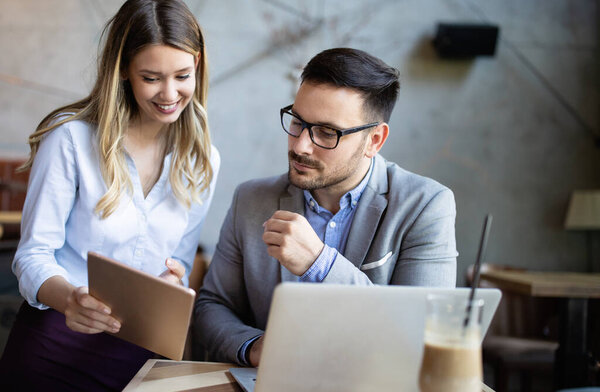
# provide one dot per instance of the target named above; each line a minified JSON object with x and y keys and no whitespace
{"x":255,"y":351}
{"x":292,"y":241}
{"x":86,"y":314}
{"x":174,"y":272}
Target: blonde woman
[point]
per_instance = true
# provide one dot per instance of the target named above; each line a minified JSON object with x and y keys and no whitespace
{"x":128,"y":172}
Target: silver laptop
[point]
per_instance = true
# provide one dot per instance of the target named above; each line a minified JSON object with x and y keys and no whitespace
{"x":325,"y":337}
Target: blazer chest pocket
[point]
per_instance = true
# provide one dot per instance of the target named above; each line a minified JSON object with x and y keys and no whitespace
{"x":379,"y":271}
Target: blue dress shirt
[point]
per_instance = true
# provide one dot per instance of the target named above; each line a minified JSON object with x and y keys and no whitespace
{"x":332,"y":229}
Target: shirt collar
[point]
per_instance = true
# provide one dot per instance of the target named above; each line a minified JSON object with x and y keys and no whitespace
{"x":350,"y":198}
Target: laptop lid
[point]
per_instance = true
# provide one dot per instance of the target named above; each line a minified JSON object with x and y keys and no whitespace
{"x":154,"y":313}
{"x":326,"y":337}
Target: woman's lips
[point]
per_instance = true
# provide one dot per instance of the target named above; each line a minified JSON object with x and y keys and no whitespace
{"x":166,"y":109}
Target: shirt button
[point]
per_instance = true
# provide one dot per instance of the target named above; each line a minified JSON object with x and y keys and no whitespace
{"x":139,"y":252}
{"x":332,"y":224}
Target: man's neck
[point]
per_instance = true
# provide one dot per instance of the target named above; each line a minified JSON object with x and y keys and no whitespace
{"x":329,"y":197}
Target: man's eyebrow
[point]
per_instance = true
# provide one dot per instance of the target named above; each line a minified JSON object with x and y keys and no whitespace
{"x":325,"y":123}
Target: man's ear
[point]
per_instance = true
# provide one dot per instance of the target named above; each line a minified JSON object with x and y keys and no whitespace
{"x":376,"y":139}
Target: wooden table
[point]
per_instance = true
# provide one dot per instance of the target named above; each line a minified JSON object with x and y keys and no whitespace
{"x":164,"y":375}
{"x":159,"y":375}
{"x":574,"y":291}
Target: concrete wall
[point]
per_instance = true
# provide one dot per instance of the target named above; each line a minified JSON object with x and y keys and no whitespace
{"x":511,"y":134}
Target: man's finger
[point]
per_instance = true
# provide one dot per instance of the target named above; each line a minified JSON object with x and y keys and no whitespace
{"x":285,"y":215}
{"x":274,"y":251}
{"x":278,"y":226}
{"x":271,"y":238}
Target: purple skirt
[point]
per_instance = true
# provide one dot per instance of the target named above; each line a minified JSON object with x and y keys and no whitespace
{"x":42,"y":353}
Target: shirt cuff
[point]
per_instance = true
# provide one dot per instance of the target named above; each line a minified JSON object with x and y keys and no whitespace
{"x":320,"y":268}
{"x":242,"y":354}
{"x":30,"y":283}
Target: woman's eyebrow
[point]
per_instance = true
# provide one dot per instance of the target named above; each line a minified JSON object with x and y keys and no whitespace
{"x":186,"y":69}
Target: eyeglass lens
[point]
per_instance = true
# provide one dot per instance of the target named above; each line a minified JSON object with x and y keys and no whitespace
{"x":320,"y":135}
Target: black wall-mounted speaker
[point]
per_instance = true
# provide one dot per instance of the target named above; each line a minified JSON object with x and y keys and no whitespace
{"x":454,"y":40}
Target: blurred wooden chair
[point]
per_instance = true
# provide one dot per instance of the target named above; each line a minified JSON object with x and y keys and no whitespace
{"x":199,"y":269}
{"x":523,"y":337}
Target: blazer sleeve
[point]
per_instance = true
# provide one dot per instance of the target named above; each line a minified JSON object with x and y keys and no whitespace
{"x":344,"y":272}
{"x":222,"y":310}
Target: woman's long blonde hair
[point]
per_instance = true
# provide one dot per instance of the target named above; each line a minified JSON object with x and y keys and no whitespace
{"x":111,"y":104}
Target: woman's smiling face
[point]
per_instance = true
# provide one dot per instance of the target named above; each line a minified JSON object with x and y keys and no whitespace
{"x":163,"y":82}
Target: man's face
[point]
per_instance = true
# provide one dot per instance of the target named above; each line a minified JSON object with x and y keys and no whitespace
{"x":312,"y":167}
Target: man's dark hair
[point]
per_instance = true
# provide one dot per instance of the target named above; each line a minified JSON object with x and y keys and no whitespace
{"x":352,"y":68}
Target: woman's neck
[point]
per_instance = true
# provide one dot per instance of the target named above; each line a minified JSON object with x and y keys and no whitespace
{"x":145,"y":133}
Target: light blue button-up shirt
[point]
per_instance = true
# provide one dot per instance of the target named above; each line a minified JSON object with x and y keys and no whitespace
{"x":59,"y":225}
{"x":332,"y":229}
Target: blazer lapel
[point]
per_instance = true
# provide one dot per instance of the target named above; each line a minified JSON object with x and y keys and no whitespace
{"x":293,"y":201}
{"x":368,"y":213}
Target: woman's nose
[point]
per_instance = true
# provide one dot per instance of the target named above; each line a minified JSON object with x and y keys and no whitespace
{"x":168,"y":91}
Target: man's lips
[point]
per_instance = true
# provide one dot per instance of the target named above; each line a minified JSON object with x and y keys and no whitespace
{"x":302,"y":163}
{"x":301,"y":166}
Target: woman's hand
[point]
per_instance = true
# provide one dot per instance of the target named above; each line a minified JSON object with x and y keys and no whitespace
{"x":83,"y":313}
{"x":86,"y":314}
{"x":174,"y":272}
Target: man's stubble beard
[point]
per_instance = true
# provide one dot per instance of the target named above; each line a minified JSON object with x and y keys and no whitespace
{"x":320,"y":181}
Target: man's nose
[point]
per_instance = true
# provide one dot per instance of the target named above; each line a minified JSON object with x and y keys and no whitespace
{"x":303,"y":144}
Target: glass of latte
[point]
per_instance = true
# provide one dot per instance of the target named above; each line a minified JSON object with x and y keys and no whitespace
{"x":452,"y":350}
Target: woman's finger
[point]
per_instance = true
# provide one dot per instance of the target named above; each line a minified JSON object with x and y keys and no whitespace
{"x":78,"y":327}
{"x":92,"y":318}
{"x":175,"y":267}
{"x":87,"y":301}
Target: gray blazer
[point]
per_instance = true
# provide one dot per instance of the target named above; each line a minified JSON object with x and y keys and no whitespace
{"x":402,"y":234}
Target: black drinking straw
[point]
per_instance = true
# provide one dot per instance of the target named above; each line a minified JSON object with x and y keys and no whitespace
{"x":482,"y":244}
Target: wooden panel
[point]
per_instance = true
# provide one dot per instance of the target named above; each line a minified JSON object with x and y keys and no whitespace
{"x":13,"y":185}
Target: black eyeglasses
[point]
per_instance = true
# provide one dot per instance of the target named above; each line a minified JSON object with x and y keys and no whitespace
{"x":321,"y":135}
